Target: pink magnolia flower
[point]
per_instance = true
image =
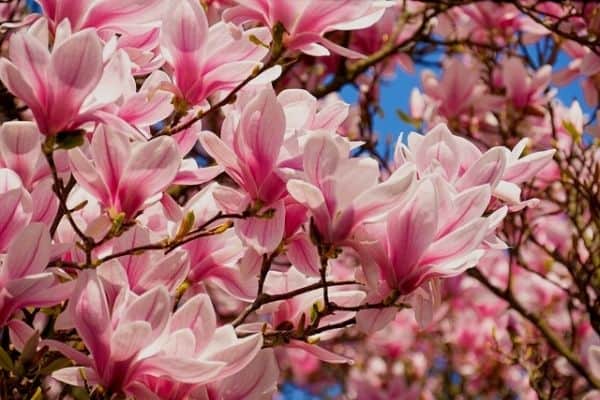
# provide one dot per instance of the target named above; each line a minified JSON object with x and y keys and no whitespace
{"x":524,"y":88}
{"x":307,"y":21}
{"x":437,"y":234}
{"x":371,"y":39}
{"x":24,"y":279}
{"x":106,"y":16}
{"x":584,"y":63}
{"x":249,"y":150}
{"x":134,"y":340}
{"x":341,"y":192}
{"x":303,"y":112}
{"x":464,"y":166}
{"x":207,"y":59}
{"x":52,"y":85}
{"x":457,"y":94}
{"x":488,"y":22}
{"x":119,"y":168}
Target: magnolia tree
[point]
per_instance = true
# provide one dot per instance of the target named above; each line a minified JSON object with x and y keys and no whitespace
{"x":189,"y":210}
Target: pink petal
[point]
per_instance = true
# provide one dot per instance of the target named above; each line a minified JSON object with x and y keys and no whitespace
{"x":411,"y":230}
{"x":197,"y":176}
{"x":258,"y":380}
{"x":109,"y":149}
{"x":29,"y":253}
{"x":262,"y":126}
{"x":527,"y":167}
{"x":154,"y":163}
{"x":370,"y":321}
{"x":263,"y":234}
{"x":15,"y":214}
{"x":128,"y":339}
{"x":45,"y":203}
{"x":19,"y":333}
{"x":32,"y":58}
{"x":237,"y":353}
{"x":88,"y":176}
{"x":320,"y":353}
{"x":74,"y":376}
{"x":13,"y":80}
{"x":75,"y":69}
{"x":223,"y":155}
{"x":487,"y":170}
{"x":152,"y":307}
{"x":198,"y":315}
{"x":304,"y":255}
{"x":457,"y":243}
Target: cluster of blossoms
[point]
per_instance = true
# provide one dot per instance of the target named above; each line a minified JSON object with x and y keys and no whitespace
{"x":189,"y":211}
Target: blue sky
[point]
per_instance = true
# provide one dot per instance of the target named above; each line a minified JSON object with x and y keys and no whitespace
{"x":395,"y":95}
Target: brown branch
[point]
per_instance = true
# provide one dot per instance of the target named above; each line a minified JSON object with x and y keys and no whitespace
{"x":553,"y":340}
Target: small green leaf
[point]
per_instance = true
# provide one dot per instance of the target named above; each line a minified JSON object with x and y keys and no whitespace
{"x":570,"y":128}
{"x":186,"y":225}
{"x":56,"y":365}
{"x":38,"y":395}
{"x":70,"y":139}
{"x":30,"y":348}
{"x":254,"y":39}
{"x":407,"y":118}
{"x":5,"y":360}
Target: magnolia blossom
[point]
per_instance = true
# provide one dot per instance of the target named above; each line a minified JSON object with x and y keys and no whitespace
{"x":343,"y":192}
{"x":189,"y":209}
{"x":133,"y":339}
{"x":500,"y":168}
{"x":119,"y":166}
{"x":105,"y":16}
{"x":51,"y":85}
{"x":306,"y":21}
{"x":207,"y":59}
{"x":249,"y":151}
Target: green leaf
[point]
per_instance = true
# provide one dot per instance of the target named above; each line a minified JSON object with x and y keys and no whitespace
{"x":254,"y":39}
{"x":70,"y":139}
{"x":186,"y":225}
{"x":406,"y":118}
{"x":55,"y":365}
{"x":570,"y":128}
{"x":30,"y":348}
{"x":38,"y":395}
{"x":5,"y":360}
